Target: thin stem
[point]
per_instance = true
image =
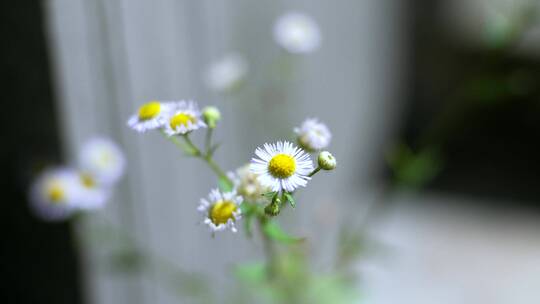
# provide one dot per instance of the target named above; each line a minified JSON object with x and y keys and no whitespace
{"x":268,"y":247}
{"x":208,"y":141}
{"x":314,"y":171}
{"x":197,"y":151}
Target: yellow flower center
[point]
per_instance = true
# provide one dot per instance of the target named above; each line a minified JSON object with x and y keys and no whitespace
{"x":149,"y":110}
{"x":181,"y":119}
{"x":222,"y":211}
{"x":87,"y":180}
{"x":55,"y":192}
{"x":282,"y":166}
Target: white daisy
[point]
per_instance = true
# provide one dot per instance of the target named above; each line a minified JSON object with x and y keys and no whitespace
{"x":91,"y":194}
{"x":221,"y":210}
{"x":226,"y":74}
{"x":151,"y":115}
{"x":102,"y":159}
{"x":282,"y":166}
{"x":248,"y":185}
{"x":313,"y":135}
{"x":184,"y":118}
{"x":297,"y":33}
{"x":55,"y":193}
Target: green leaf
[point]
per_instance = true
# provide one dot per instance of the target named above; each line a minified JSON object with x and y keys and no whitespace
{"x":251,"y":272}
{"x":290,"y":199}
{"x":224,"y":184}
{"x":269,"y":195}
{"x":273,"y":231}
{"x":213,"y":149}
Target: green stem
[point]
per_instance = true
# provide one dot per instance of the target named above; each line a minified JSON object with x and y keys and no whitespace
{"x":208,"y":141}
{"x":268,"y":248}
{"x":314,"y":171}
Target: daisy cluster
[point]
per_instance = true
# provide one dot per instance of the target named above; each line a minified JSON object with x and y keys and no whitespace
{"x":271,"y":178}
{"x":59,"y":192}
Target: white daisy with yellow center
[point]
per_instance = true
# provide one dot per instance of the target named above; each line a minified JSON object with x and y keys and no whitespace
{"x":55,"y":193}
{"x":221,"y":210}
{"x":150,"y":116}
{"x":282,"y":166}
{"x":103,"y":160}
{"x":183,"y":118}
{"x":313,"y":135}
{"x":247,"y":184}
{"x":297,"y":33}
{"x":91,"y":193}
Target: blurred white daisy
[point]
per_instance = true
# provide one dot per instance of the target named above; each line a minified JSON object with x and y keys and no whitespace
{"x":90,"y":193}
{"x":55,"y":193}
{"x":297,"y":33}
{"x":226,"y":74}
{"x":282,"y":166}
{"x":184,"y":117}
{"x":150,"y":116}
{"x":221,"y":210}
{"x":248,"y":185}
{"x":103,"y":160}
{"x":313,"y":135}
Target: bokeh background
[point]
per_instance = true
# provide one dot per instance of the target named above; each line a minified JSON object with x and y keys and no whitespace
{"x":434,"y":107}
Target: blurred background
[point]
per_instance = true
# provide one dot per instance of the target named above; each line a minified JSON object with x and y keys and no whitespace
{"x":434,"y":107}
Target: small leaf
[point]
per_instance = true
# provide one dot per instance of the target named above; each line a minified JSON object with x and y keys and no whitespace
{"x":290,"y":199}
{"x":213,"y":149}
{"x":269,"y":195}
{"x":224,"y":184}
{"x":273,"y":231}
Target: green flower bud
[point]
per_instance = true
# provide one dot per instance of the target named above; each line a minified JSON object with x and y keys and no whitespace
{"x":327,"y":161}
{"x":211,"y":116}
{"x":273,"y":208}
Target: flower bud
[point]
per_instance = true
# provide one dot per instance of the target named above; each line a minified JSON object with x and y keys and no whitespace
{"x":327,"y":161}
{"x":273,"y":208}
{"x":211,"y":116}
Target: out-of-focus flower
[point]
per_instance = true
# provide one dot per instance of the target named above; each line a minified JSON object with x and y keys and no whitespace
{"x":327,"y":161}
{"x":221,"y":210}
{"x":297,"y":33}
{"x":282,"y":166}
{"x":313,"y":135}
{"x":55,"y":194}
{"x":151,"y":115}
{"x":184,"y":118}
{"x":90,"y":193}
{"x":227,"y":73}
{"x":248,"y":185}
{"x":211,"y":116}
{"x":102,"y":160}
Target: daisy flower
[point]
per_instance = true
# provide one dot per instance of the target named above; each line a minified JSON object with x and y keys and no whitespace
{"x":227,"y":73}
{"x":313,"y":135}
{"x":297,"y":33}
{"x":247,"y":184}
{"x":91,"y":194}
{"x":55,"y":193}
{"x":151,"y":115}
{"x":221,"y":210}
{"x":282,"y":166}
{"x":184,"y":118}
{"x":102,"y":159}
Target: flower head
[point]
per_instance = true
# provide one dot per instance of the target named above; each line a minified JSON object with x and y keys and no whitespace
{"x":151,"y":115}
{"x":313,"y":135}
{"x":221,"y":210}
{"x":327,"y":161}
{"x":282,"y":166}
{"x":248,"y":185}
{"x":55,"y":193}
{"x":184,"y":117}
{"x":90,"y":193}
{"x":297,"y":33}
{"x":102,"y":160}
{"x":211,"y":116}
{"x":227,"y":73}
